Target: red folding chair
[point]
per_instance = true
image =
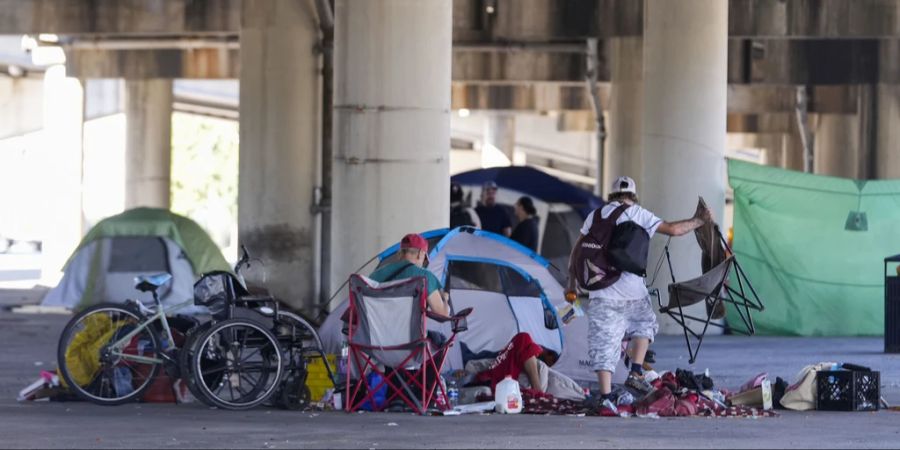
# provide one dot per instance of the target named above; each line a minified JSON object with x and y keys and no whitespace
{"x":388,"y":335}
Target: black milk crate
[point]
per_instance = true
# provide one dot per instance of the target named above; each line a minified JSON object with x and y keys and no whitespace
{"x":848,"y":390}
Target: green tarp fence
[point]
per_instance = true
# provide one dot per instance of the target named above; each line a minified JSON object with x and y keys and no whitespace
{"x":814,"y":248}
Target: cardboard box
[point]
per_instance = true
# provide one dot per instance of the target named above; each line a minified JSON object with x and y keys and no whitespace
{"x":760,"y":397}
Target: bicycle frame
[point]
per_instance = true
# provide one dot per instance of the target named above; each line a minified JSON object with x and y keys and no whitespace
{"x":160,"y":314}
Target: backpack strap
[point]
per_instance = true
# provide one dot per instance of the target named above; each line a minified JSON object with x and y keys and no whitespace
{"x":398,"y":271}
{"x":612,"y":219}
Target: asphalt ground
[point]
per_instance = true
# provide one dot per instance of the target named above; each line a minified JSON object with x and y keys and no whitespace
{"x":29,"y":345}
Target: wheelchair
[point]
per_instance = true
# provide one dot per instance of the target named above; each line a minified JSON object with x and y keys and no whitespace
{"x":251,"y":351}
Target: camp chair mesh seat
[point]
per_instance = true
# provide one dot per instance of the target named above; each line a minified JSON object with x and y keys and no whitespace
{"x":713,"y":288}
{"x":388,"y":335}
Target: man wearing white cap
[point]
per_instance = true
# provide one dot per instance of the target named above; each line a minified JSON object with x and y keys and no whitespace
{"x":623,"y":309}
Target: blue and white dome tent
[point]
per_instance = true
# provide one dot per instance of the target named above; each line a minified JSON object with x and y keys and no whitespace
{"x":510,"y":288}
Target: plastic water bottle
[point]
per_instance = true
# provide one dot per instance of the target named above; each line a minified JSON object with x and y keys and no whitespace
{"x":340,"y":376}
{"x":453,"y":393}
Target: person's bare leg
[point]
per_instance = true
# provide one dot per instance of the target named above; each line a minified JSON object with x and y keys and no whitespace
{"x":533,"y":373}
{"x":639,"y":347}
{"x":629,"y":350}
{"x":605,"y":379}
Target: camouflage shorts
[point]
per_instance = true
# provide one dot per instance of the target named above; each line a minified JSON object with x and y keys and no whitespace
{"x":611,"y":321}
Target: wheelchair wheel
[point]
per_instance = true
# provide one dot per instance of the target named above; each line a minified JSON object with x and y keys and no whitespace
{"x":185,"y":358}
{"x":301,"y":339}
{"x":294,"y":395}
{"x":95,"y":370}
{"x":290,"y":326}
{"x":236,"y":364}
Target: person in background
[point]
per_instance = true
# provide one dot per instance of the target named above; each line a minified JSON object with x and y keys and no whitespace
{"x":521,"y":354}
{"x":526,"y":232}
{"x":460,"y":213}
{"x":493,"y":217}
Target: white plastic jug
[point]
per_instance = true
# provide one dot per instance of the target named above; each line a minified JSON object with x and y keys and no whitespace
{"x":508,"y":396}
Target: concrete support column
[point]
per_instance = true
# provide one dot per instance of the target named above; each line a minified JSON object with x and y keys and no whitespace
{"x":148,"y":146}
{"x":279,"y":128}
{"x":623,"y":150}
{"x":63,"y":118}
{"x":392,"y":125}
{"x":888,"y":133}
{"x":499,"y":133}
{"x":684,"y":120}
{"x":837,"y":145}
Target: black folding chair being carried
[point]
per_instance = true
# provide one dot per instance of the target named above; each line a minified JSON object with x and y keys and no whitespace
{"x":713,"y":288}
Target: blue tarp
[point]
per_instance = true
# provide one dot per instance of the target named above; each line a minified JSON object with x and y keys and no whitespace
{"x":535,"y":183}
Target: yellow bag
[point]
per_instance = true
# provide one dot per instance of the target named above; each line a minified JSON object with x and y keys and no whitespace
{"x":83,"y":354}
{"x":317,"y":377}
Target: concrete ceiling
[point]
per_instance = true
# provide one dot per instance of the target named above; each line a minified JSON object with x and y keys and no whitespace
{"x":508,"y":54}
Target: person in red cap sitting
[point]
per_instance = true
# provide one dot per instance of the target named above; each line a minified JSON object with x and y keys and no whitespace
{"x":414,"y":257}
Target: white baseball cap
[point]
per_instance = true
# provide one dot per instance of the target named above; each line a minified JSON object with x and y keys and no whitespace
{"x":624,"y":184}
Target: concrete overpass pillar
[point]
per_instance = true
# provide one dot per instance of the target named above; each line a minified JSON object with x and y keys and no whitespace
{"x":63,"y":118}
{"x":836,"y":145}
{"x":279,"y":129}
{"x":500,"y":133}
{"x":684,"y":120}
{"x":392,"y":125}
{"x":148,"y":142}
{"x":623,"y":150}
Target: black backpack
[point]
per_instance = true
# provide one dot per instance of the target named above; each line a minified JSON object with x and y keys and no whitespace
{"x":459,"y":216}
{"x":628,"y":248}
{"x":593,"y":269}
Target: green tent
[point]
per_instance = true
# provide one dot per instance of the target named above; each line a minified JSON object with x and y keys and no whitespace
{"x":814,"y":248}
{"x":138,"y":241}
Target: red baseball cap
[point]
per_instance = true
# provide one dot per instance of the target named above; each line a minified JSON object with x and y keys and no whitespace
{"x":413,"y":240}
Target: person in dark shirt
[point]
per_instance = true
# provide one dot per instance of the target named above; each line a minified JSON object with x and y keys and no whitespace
{"x":526,"y":232}
{"x":461,"y":214}
{"x":493,"y":217}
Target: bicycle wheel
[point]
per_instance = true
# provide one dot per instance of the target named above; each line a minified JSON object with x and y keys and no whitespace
{"x":237,"y":364}
{"x":99,"y":371}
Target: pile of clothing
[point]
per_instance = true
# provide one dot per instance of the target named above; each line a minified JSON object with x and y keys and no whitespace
{"x":677,"y":394}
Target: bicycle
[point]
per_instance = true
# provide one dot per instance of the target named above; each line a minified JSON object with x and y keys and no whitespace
{"x":110,"y":353}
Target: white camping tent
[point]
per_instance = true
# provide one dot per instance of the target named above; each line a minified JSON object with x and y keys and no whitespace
{"x":511,"y":290}
{"x":142,"y":241}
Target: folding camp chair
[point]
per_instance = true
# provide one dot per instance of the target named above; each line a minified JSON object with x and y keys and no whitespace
{"x":388,"y":335}
{"x":713,"y":288}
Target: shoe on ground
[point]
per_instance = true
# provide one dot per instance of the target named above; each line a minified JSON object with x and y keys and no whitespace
{"x":638,"y":383}
{"x":608,"y":409}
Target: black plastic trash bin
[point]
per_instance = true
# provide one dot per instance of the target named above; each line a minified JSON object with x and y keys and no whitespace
{"x":892,"y":304}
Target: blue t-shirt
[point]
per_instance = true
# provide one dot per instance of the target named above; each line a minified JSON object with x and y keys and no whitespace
{"x":493,"y":218}
{"x":381,"y":274}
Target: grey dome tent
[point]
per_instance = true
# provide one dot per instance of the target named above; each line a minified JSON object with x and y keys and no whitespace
{"x":139,"y":241}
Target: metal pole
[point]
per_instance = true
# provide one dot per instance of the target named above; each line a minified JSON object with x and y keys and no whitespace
{"x":801,"y":108}
{"x":591,"y":77}
{"x":326,"y":23}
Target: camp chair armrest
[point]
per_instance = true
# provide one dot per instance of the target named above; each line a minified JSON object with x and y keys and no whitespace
{"x":458,"y":320}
